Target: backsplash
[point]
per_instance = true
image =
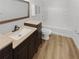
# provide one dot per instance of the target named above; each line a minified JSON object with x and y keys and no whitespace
{"x":10,"y":26}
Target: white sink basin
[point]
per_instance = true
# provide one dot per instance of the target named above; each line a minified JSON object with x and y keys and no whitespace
{"x":20,"y":33}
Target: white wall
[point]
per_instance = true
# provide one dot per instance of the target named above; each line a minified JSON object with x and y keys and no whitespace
{"x":11,"y":9}
{"x":63,"y":17}
{"x":57,"y":11}
{"x":4,"y":28}
{"x":62,"y":14}
{"x":39,"y":4}
{"x":74,"y":14}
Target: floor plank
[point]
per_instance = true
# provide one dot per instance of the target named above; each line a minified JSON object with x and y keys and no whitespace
{"x":58,"y":47}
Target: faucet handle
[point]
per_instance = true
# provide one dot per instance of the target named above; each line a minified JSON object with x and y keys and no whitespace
{"x":16,"y":28}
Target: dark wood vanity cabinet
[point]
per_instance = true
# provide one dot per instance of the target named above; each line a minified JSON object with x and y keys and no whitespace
{"x":38,"y":34}
{"x":27,"y":48}
{"x":20,"y":53}
{"x":6,"y":53}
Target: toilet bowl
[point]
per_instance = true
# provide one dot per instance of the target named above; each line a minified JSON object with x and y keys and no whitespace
{"x":45,"y":33}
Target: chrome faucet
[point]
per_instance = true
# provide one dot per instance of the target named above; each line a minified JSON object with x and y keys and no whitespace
{"x":16,"y":28}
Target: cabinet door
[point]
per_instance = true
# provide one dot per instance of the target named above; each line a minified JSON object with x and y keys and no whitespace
{"x":8,"y":56}
{"x":31,"y":51}
{"x":21,"y":54}
{"x":1,"y":55}
{"x":31,"y":46}
{"x":37,"y":39}
{"x":6,"y":53}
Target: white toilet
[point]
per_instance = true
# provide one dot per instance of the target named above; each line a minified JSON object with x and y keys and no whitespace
{"x":45,"y":33}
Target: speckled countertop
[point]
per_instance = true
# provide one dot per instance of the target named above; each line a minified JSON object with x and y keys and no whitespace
{"x":17,"y":42}
{"x":30,"y":21}
{"x":4,"y":41}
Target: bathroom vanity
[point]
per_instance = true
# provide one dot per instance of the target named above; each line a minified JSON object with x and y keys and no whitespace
{"x":21,"y":44}
{"x":25,"y":42}
{"x":37,"y":24}
{"x":26,"y":49}
{"x":5,"y":48}
{"x":6,"y":53}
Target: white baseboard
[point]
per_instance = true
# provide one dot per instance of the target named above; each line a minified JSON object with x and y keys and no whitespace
{"x":61,"y":31}
{"x":65,"y":32}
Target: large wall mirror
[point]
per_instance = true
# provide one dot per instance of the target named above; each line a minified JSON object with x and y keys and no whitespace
{"x":12,"y":10}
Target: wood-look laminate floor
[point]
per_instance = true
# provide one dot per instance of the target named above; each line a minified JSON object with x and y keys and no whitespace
{"x":58,"y":47}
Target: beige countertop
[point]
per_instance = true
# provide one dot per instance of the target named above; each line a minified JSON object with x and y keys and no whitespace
{"x":36,"y":22}
{"x":4,"y":41}
{"x":17,"y":42}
